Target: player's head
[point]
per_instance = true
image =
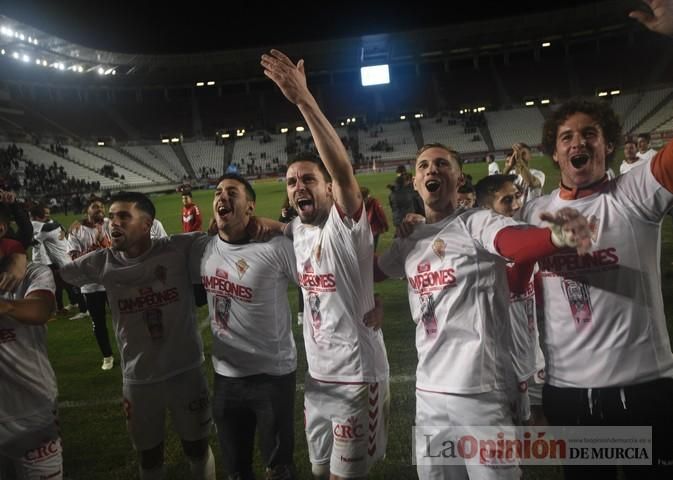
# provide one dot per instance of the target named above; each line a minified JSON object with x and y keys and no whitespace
{"x":466,"y":196}
{"x":95,"y":211}
{"x":438,"y":175}
{"x":233,"y":203}
{"x":630,"y":151}
{"x":186,"y":198}
{"x":131,"y":215}
{"x":499,"y":193}
{"x":309,"y":188}
{"x":581,"y":137}
{"x":490,"y":158}
{"x":524,"y":152}
{"x":39,"y":212}
{"x":643,"y":142}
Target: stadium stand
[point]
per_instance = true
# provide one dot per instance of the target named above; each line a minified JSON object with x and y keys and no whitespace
{"x":388,"y":141}
{"x":160,"y":156}
{"x":128,"y":163}
{"x":205,"y":156}
{"x":519,"y":125}
{"x":634,"y":107}
{"x":260,"y":152}
{"x":439,"y":130}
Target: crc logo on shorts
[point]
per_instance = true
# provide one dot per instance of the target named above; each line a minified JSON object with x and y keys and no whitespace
{"x":351,"y":430}
{"x":44,"y":451}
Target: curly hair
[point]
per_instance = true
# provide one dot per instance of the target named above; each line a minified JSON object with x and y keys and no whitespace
{"x":600,"y":111}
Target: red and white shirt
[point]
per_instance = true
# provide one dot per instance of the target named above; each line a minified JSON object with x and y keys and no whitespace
{"x":334,"y":263}
{"x":152,"y":303}
{"x":87,"y":239}
{"x":459,"y":299}
{"x":191,"y":218}
{"x":604,"y":314}
{"x":250,"y":315}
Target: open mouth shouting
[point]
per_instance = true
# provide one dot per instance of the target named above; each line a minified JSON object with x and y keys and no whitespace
{"x":432,"y":185}
{"x":305,"y":205}
{"x":579,"y":160}
{"x":222,"y":211}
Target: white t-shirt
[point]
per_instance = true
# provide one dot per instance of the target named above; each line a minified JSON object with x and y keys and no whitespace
{"x":527,"y":356}
{"x":84,"y":240}
{"x":54,"y":246}
{"x":250,"y":314}
{"x":335,"y":266}
{"x":529,"y":193}
{"x":459,"y":300}
{"x":28,"y":385}
{"x":157,"y":230}
{"x":625,"y":166}
{"x":648,"y":155}
{"x":152,"y":302}
{"x":38,"y":252}
{"x":493,"y":168}
{"x":604,"y":314}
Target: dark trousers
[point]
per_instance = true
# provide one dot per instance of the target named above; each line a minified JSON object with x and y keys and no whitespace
{"x":262,"y":403}
{"x":95,"y":302}
{"x":74,"y":297}
{"x":646,"y":404}
{"x":300,"y":300}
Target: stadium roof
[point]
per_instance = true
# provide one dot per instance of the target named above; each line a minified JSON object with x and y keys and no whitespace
{"x":146,"y":38}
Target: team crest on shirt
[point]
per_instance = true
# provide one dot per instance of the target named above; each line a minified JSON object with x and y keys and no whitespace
{"x":594,"y":223}
{"x":439,"y":247}
{"x":161,"y":273}
{"x":242,"y":267}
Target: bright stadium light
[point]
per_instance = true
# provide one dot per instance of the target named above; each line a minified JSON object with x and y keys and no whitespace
{"x":530,"y":103}
{"x":2,"y":51}
{"x":546,"y":44}
{"x":175,"y":140}
{"x":61,"y":66}
{"x":21,"y":37}
{"x":403,"y":117}
{"x":101,"y":71}
{"x":375,"y":75}
{"x":211,"y":83}
{"x":602,"y":94}
{"x":225,"y":135}
{"x":25,"y":58}
{"x":165,"y":140}
{"x":6,"y":31}
{"x":35,"y":41}
{"x":342,"y":124}
{"x":285,"y":129}
{"x":15,"y":55}
{"x":114,"y":72}
{"x":544,"y":101}
{"x":44,"y":63}
{"x":615,"y":92}
{"x":299,"y":128}
{"x":240,"y":132}
{"x":353,"y":120}
{"x":101,"y":144}
{"x":199,"y":84}
{"x":37,"y":61}
{"x":418,"y":115}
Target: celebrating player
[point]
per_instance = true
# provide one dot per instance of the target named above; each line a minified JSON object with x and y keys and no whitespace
{"x":346,"y":391}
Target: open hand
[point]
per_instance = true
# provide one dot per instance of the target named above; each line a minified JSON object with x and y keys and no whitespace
{"x":569,"y":229}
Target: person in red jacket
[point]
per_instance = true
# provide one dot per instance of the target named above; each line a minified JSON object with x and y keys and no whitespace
{"x":375,"y":214}
{"x":191,"y":215}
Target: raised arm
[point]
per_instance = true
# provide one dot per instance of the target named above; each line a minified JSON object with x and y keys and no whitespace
{"x":291,"y":79}
{"x":660,"y":17}
{"x":35,"y":309}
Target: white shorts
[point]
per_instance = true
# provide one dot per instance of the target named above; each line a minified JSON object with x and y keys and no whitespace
{"x":31,"y":447}
{"x":184,"y":395}
{"x":448,"y":410}
{"x":346,"y":425}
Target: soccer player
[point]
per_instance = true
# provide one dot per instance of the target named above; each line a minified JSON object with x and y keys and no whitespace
{"x":529,"y":180}
{"x":29,"y":436}
{"x":467,"y":197}
{"x":87,"y":236}
{"x":157,"y":230}
{"x":152,"y":303}
{"x":191,"y":215}
{"x":455,"y":268}
{"x":630,"y":157}
{"x":51,"y":249}
{"x":346,"y":390}
{"x":644,"y":150}
{"x":254,"y":354}
{"x":500,"y":194}
{"x":493,"y":168}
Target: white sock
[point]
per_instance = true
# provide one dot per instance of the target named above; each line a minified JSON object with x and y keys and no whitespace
{"x":152,"y":474}
{"x":203,"y":469}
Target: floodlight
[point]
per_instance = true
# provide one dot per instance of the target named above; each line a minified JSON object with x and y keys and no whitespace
{"x":375,"y":75}
{"x":225,"y":135}
{"x":404,"y":117}
{"x":101,"y":144}
{"x":530,"y":103}
{"x":602,"y":94}
{"x":175,"y":140}
{"x":199,"y":84}
{"x":285,"y":129}
{"x":544,"y":101}
{"x":165,"y":140}
{"x":15,"y":55}
{"x":211,"y":83}
{"x":101,"y":71}
{"x":546,"y":44}
{"x":615,"y":92}
{"x":299,"y":128}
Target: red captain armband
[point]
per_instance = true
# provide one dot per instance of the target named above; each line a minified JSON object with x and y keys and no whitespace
{"x":9,"y":246}
{"x":662,"y":166}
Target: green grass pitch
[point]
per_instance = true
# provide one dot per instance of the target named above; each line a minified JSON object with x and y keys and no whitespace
{"x":95,"y":441}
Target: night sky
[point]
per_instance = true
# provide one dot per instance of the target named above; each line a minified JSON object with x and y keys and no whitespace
{"x":154,"y":27}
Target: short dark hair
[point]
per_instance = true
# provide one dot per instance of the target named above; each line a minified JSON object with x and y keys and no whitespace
{"x":454,"y":154}
{"x":235,"y":176}
{"x":312,"y":158}
{"x":141,"y":201}
{"x":487,"y":186}
{"x":490,"y":156}
{"x":466,"y":188}
{"x":645,"y":136}
{"x":186,"y":194}
{"x":630,"y":140}
{"x":38,"y":210}
{"x":598,"y":110}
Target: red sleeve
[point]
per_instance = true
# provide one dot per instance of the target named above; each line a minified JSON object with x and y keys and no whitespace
{"x":524,"y":245}
{"x":662,"y":166}
{"x":9,"y":246}
{"x":379,"y":276}
{"x":518,"y":277}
